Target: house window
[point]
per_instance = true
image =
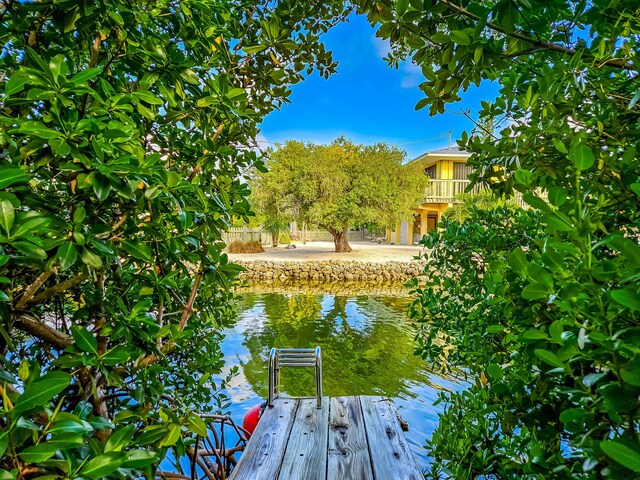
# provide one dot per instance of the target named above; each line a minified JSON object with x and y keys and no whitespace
{"x":431,"y":171}
{"x":461,"y":171}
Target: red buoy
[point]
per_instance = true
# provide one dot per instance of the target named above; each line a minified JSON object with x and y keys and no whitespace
{"x":250,"y":420}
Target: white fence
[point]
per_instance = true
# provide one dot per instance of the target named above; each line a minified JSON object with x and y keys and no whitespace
{"x":244,"y":234}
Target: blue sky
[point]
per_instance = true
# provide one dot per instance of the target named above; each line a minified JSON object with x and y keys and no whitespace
{"x":367,"y":101}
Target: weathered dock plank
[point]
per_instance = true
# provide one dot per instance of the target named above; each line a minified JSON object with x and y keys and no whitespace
{"x":350,"y":438}
{"x":389,"y":450}
{"x":268,"y":443}
{"x":306,"y":454}
{"x":348,"y":454}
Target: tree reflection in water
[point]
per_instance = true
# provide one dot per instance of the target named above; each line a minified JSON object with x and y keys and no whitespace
{"x":367,"y":342}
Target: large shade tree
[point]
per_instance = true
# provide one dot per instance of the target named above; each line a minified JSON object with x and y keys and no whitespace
{"x":541,"y":306}
{"x":125,"y":128}
{"x":341,"y":185}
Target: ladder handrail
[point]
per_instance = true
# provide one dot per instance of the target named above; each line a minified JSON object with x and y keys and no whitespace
{"x":294,"y":357}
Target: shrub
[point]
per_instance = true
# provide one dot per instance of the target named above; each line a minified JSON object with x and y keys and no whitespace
{"x":123,"y":140}
{"x":285,"y":238}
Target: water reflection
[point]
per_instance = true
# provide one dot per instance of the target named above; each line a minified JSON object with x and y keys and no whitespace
{"x":366,"y":346}
{"x":367,"y":349}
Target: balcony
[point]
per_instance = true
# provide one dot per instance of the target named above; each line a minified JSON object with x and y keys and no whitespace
{"x":444,"y":191}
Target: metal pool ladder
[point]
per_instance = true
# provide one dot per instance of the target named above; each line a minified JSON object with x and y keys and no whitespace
{"x":294,"y":357}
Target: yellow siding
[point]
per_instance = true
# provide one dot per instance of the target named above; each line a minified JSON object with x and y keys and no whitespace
{"x":444,"y":171}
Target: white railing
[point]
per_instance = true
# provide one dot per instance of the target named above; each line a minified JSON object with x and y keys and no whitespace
{"x":444,"y":191}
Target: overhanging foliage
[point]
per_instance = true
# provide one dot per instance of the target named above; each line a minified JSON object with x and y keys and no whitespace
{"x":542,"y":306}
{"x":124,"y":130}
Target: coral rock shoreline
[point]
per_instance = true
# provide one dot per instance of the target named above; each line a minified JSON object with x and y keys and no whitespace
{"x":329,"y":270}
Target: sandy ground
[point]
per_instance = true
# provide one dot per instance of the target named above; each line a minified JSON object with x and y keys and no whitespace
{"x":362,"y":251}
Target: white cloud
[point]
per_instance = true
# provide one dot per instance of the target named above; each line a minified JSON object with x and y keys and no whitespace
{"x":411,"y":75}
{"x":382,"y":46}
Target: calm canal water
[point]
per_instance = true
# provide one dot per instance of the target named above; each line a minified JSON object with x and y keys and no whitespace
{"x":367,"y":349}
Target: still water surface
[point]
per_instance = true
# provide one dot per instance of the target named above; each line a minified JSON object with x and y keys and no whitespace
{"x":367,"y":349}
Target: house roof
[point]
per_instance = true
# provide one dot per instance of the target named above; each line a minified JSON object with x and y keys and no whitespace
{"x":433,"y":156}
{"x":452,"y":150}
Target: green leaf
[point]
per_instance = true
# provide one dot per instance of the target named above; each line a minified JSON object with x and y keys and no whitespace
{"x":148,"y":97}
{"x":593,"y":378}
{"x":11,"y":176}
{"x":422,"y":103}
{"x":68,"y":254}
{"x":533,"y":335}
{"x":5,"y":475}
{"x":250,"y":49}
{"x":30,"y":250}
{"x":190,"y":76}
{"x":627,"y":297}
{"x":84,"y":75}
{"x":85,"y":340}
{"x":460,"y":37}
{"x":146,"y":291}
{"x":556,"y":222}
{"x":535,"y":291}
{"x":117,"y":355}
{"x":536,"y":202}
{"x":622,"y":454}
{"x":557,"y":196}
{"x":37,"y":129}
{"x":139,"y":458}
{"x":120,"y":438}
{"x":196,"y":425}
{"x":91,"y":259}
{"x":101,"y":186}
{"x":7,"y":216}
{"x":38,"y":453}
{"x":401,"y":6}
{"x":41,"y":391}
{"x":4,"y":442}
{"x":138,"y":250}
{"x":103,"y":465}
{"x":582,"y":156}
{"x":58,"y":66}
{"x":31,"y":226}
{"x":172,"y":436}
{"x":16,"y":83}
{"x":46,"y":449}
{"x":79,"y":214}
{"x":549,"y":358}
{"x":518,"y":261}
{"x":151,"y":434}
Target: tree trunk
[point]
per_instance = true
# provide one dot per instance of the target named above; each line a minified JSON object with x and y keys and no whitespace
{"x":274,"y":238}
{"x":341,"y":239}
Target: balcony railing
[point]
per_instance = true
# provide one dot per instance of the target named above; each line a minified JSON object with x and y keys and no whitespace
{"x":444,"y":191}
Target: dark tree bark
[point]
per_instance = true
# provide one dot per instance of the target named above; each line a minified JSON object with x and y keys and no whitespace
{"x":340,"y":238}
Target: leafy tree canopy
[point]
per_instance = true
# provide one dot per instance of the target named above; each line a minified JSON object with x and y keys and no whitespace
{"x":341,"y":185}
{"x":541,"y":306}
{"x":124,"y":130}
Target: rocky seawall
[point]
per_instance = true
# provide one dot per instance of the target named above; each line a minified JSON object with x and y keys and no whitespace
{"x":330,"y":270}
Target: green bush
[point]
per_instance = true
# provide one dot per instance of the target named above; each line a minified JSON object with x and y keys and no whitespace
{"x":284,"y":238}
{"x":541,"y":306}
{"x":124,"y":133}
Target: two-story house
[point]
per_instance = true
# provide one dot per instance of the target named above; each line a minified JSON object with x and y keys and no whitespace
{"x":448,"y":172}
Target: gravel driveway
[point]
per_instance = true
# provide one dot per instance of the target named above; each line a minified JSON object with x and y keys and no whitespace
{"x":362,"y":252}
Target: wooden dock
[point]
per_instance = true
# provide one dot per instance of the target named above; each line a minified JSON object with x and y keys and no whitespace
{"x":349,"y":438}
